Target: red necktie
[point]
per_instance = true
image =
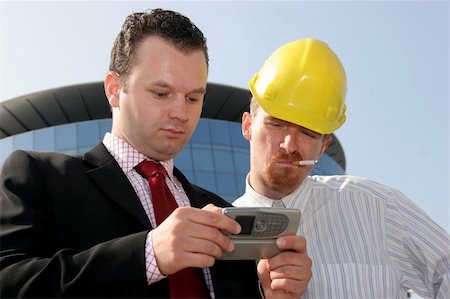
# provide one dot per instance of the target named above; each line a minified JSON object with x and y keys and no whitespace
{"x":188,"y":282}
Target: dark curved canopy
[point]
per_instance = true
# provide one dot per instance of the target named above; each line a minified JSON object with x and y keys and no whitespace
{"x":87,"y":101}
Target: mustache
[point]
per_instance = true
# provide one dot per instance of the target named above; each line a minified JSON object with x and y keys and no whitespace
{"x":286,"y":157}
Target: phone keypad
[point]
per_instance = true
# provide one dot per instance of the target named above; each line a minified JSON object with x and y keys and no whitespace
{"x":270,"y":225}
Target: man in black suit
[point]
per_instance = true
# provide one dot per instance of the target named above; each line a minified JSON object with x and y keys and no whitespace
{"x":84,"y":226}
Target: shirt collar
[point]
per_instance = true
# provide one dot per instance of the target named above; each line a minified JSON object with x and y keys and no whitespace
{"x":297,"y":199}
{"x":128,"y":157}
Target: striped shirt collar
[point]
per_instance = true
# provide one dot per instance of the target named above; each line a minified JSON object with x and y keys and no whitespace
{"x":128,"y":157}
{"x":298,"y":198}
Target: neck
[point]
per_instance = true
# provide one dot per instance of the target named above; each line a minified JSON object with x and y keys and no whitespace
{"x":261,"y":187}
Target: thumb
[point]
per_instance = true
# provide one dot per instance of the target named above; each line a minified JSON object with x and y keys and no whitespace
{"x":264,"y":274}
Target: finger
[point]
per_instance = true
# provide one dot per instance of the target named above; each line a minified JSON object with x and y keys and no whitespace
{"x":291,"y":272}
{"x":209,"y":238}
{"x":292,"y":288}
{"x":213,"y":219}
{"x":292,"y":242}
{"x":289,"y":258}
{"x":188,"y":226}
{"x":291,"y":280}
{"x":264,"y":273}
{"x":212,"y":208}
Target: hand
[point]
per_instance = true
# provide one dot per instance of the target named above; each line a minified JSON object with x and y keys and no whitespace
{"x":287,"y":274}
{"x":192,"y":237}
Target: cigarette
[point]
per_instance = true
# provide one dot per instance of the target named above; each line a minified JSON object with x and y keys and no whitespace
{"x":305,"y":162}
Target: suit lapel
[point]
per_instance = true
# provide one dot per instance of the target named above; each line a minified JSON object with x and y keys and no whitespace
{"x":196,"y":200}
{"x":109,"y":177}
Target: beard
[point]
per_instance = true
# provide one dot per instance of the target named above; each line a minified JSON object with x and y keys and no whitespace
{"x":282,"y":178}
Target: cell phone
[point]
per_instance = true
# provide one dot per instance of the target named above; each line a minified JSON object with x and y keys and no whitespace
{"x":260,"y":228}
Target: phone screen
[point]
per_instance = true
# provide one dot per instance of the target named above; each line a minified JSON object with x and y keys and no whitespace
{"x":246,"y":223}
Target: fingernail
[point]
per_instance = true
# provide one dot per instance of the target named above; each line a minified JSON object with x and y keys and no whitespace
{"x":231,"y":246}
{"x":238,"y":229}
{"x":281,"y":243}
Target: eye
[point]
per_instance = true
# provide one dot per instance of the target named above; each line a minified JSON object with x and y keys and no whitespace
{"x":274,"y":125}
{"x":159,"y":94}
{"x":306,"y":135}
{"x":310,"y":134}
{"x":194,"y":98}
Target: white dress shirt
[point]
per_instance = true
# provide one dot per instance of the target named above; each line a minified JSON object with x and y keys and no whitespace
{"x":365,"y":240}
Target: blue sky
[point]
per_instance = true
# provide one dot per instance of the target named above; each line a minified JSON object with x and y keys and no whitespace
{"x":395,"y":55}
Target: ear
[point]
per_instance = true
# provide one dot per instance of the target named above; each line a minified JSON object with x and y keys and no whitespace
{"x":326,"y":142}
{"x":112,"y":88}
{"x":246,"y":126}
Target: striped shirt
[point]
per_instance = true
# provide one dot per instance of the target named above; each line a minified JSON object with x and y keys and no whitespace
{"x":128,"y":157}
{"x":365,"y":240}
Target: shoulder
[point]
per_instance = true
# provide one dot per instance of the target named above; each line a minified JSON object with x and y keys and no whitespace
{"x":36,"y":169}
{"x":22,"y":158}
{"x":345,"y":184}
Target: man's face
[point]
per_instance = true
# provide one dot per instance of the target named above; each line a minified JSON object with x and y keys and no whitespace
{"x":274,"y":144}
{"x":158,"y":108}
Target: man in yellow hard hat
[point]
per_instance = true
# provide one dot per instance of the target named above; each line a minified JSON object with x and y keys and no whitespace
{"x":366,"y":240}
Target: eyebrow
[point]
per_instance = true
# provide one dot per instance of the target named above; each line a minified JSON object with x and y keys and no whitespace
{"x":164,"y":84}
{"x":272,"y":118}
{"x":201,"y":90}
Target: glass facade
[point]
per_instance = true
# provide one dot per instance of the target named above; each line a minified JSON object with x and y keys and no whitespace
{"x":216,"y":158}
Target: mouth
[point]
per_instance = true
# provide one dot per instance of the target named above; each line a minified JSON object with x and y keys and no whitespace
{"x":174,"y":132}
{"x":286,"y":163}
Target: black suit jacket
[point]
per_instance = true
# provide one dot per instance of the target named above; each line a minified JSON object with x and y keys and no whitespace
{"x":73,"y":226}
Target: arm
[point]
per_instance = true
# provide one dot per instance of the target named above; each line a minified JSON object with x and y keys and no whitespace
{"x":36,"y":258}
{"x":424,"y":259}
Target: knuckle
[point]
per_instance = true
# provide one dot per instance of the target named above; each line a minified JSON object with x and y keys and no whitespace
{"x":309,"y":262}
{"x":213,"y":217}
{"x":209,"y":261}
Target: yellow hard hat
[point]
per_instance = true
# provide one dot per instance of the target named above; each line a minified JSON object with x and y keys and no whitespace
{"x":303,"y":82}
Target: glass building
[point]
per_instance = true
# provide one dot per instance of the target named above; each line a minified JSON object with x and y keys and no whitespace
{"x":75,"y":118}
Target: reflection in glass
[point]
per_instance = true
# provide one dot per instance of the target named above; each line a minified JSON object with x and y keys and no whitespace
{"x":226,"y":185}
{"x":44,"y":139}
{"x":65,"y":137}
{"x":23,"y":141}
{"x":224,"y":161}
{"x":206,"y":180}
{"x":87,"y":134}
{"x":202,"y":158}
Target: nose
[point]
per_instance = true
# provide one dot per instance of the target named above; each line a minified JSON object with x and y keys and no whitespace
{"x":178,"y":109}
{"x":289,"y":143}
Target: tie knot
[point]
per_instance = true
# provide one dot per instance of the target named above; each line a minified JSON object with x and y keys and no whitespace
{"x":148,"y":169}
{"x":278,"y":204}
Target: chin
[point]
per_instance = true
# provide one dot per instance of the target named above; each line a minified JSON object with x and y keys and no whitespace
{"x":282,"y":180}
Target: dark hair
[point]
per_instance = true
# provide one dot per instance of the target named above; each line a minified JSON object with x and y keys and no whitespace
{"x":169,"y":25}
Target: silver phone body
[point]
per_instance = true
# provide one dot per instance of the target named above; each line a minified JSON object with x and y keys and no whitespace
{"x":260,"y":228}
